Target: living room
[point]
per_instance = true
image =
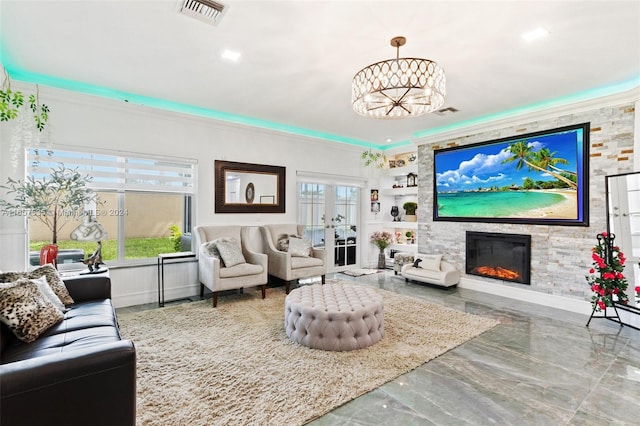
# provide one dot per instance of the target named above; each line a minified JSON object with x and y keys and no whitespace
{"x":94,"y":115}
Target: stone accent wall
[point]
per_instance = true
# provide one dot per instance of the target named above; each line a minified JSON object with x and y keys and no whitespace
{"x":560,"y":255}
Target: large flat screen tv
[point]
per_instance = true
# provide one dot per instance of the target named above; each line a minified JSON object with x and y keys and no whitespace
{"x":537,"y":178}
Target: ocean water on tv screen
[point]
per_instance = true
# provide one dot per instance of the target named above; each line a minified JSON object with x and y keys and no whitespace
{"x":494,"y":204}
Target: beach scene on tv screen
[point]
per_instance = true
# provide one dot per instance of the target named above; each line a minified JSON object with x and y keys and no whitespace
{"x":535,"y":177}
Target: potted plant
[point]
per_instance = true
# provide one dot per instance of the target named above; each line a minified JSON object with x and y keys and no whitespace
{"x":53,"y":200}
{"x":410,"y":210}
{"x":605,"y":277}
{"x":410,"y":237}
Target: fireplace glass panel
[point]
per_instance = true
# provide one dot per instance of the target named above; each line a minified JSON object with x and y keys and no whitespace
{"x":500,"y":256}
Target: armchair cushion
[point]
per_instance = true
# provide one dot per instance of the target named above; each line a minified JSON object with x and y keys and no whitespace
{"x":284,"y":240}
{"x":230,"y":252}
{"x":299,"y":247}
{"x":211,"y":248}
{"x":242,"y":269}
{"x":305,"y":262}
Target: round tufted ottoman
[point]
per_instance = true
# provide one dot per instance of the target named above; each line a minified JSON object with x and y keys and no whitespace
{"x":334,"y":317}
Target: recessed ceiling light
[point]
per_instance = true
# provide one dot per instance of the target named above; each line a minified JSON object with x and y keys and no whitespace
{"x":535,"y":34}
{"x":388,"y":140}
{"x":231,"y":55}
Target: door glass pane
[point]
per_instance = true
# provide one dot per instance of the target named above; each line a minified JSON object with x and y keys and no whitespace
{"x":311,"y":206}
{"x":346,"y":208}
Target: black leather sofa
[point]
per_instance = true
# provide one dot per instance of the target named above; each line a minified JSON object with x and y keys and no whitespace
{"x":79,"y":372}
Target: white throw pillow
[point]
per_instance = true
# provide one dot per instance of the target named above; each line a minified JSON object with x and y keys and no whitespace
{"x":300,"y":247}
{"x":431,"y":261}
{"x":230,"y":253}
{"x":46,"y":290}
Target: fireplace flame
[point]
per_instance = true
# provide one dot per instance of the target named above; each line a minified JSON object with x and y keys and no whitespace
{"x":497,"y":272}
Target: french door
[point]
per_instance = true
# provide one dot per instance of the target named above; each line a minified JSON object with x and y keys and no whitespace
{"x":331,"y":214}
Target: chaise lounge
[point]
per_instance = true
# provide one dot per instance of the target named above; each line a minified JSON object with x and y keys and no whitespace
{"x":431,"y":270}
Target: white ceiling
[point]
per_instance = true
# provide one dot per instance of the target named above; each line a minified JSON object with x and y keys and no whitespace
{"x":298,"y":57}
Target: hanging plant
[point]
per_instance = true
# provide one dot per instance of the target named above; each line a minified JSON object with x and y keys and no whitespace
{"x":375,"y":159}
{"x":11,"y":103}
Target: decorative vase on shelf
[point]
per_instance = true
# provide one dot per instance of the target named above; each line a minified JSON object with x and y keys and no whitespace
{"x":382,"y":260}
{"x":395,"y":212}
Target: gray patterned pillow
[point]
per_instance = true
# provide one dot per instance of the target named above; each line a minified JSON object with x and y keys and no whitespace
{"x":230,"y":252}
{"x":212,"y":249}
{"x":26,"y":311}
{"x":300,"y":247}
{"x":50,"y":273}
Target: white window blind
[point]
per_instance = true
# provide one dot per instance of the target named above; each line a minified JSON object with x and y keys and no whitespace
{"x":119,"y":172}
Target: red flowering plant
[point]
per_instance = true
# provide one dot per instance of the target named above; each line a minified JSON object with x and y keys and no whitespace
{"x":605,"y":277}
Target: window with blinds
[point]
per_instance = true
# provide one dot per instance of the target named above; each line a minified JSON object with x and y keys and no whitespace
{"x":117,"y":172}
{"x":145,"y":202}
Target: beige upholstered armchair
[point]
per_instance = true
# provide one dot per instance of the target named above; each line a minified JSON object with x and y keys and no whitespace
{"x":226,"y":263}
{"x":290,"y":263}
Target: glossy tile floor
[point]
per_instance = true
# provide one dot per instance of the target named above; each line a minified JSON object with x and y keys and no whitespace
{"x":540,"y":366}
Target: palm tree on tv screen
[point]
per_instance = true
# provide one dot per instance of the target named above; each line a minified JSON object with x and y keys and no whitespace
{"x":524,"y":155}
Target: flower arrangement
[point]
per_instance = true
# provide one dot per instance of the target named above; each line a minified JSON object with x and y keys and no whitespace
{"x":399,"y":238}
{"x":605,"y":277}
{"x":382,"y":239}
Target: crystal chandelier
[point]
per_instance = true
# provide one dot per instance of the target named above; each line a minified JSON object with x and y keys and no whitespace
{"x":398,"y":88}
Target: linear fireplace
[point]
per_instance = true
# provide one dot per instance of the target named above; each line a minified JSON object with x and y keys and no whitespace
{"x":501,"y":256}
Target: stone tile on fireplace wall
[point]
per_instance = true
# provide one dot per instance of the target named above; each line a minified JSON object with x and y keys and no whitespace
{"x":560,"y":255}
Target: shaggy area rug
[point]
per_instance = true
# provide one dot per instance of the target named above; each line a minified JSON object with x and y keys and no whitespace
{"x":234,"y":365}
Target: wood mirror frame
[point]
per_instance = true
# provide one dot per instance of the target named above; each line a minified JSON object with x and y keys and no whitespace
{"x":253,"y":174}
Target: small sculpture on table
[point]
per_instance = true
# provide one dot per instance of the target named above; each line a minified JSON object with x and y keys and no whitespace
{"x":91,"y":230}
{"x":395,"y":212}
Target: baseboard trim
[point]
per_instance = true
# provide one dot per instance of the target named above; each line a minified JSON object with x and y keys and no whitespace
{"x":525,"y":295}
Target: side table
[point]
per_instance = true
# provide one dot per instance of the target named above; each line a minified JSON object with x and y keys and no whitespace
{"x":161,"y":259}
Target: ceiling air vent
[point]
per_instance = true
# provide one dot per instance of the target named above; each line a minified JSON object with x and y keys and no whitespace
{"x":204,"y":10}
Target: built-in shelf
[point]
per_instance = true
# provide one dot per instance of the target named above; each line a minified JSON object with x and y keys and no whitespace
{"x":403,"y":171}
{"x":404,"y":225}
{"x":404,"y":247}
{"x":397,"y":192}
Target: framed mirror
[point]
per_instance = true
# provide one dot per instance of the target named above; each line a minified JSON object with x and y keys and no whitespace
{"x":623,"y":211}
{"x":249,"y":188}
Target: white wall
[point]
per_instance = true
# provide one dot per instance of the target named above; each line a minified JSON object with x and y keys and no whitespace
{"x":81,"y":121}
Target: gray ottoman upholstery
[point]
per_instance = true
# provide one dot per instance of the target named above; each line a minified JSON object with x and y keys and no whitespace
{"x":334,"y":317}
